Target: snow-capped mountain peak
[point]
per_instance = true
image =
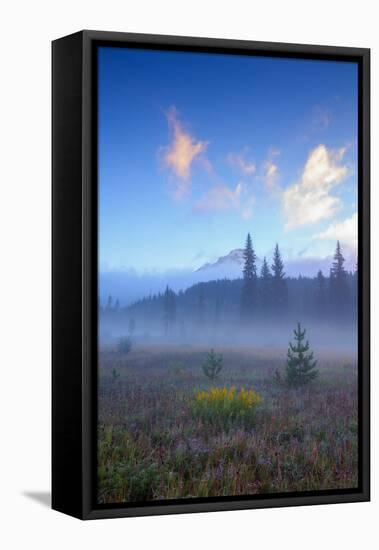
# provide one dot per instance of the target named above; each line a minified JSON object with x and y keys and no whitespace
{"x":231,"y":264}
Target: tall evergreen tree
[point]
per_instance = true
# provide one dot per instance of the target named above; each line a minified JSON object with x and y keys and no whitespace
{"x":339,"y":286}
{"x":338,"y":263}
{"x":248,"y":294}
{"x":249,"y":268}
{"x":169,"y":308}
{"x":279,"y":284}
{"x":265,"y":288}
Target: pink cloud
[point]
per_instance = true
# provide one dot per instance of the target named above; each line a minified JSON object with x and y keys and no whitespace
{"x":180,"y":154}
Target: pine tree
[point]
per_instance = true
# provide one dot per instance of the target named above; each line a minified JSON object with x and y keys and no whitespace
{"x":279,"y":285}
{"x":338,"y":264}
{"x":301,"y":366}
{"x":248,"y":294}
{"x":169,"y":308}
{"x":265,"y":289}
{"x":249,"y":269}
{"x":213,"y":365}
{"x":339,"y":286}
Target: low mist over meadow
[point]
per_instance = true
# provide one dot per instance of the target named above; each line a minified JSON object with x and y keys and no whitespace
{"x":258,"y":307}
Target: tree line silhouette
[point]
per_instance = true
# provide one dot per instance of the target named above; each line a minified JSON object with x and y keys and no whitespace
{"x":265,"y":296}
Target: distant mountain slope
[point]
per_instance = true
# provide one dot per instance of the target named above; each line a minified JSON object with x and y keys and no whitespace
{"x":234,"y":258}
{"x":229,"y":266}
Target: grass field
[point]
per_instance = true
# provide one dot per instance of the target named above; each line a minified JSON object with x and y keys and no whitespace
{"x":152,"y":445}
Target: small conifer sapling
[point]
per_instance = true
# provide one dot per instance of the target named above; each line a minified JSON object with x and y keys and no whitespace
{"x":301,"y":365}
{"x":213,"y":365}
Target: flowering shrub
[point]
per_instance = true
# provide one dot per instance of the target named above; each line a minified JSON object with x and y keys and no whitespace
{"x":225,"y":404}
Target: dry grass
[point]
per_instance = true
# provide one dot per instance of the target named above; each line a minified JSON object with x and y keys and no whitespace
{"x":151,"y":446}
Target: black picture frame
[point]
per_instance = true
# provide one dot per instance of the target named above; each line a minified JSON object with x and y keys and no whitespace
{"x":74,"y":272}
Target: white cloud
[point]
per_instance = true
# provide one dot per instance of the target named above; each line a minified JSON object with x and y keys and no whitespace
{"x":239,"y":161}
{"x":271,"y":173}
{"x":271,"y":170}
{"x":309,"y":200}
{"x":180,"y":154}
{"x":346,"y":232}
{"x":220,"y":197}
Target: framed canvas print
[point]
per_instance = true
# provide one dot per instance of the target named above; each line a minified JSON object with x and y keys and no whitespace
{"x":210,"y":275}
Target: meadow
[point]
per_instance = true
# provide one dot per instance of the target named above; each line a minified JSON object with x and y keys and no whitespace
{"x":153,"y":443}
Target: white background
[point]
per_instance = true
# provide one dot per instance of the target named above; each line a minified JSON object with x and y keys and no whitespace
{"x":27,"y":27}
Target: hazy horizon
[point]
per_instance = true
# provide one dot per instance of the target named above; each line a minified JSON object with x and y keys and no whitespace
{"x":128,"y":285}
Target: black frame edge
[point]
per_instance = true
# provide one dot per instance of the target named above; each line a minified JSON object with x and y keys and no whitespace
{"x":67,"y":99}
{"x":193,"y":42}
{"x":364,"y":270}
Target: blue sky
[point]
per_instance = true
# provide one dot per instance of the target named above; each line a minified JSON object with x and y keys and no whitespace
{"x":196,"y":150}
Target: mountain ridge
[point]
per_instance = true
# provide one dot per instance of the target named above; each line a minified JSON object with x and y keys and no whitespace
{"x":234,"y":258}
